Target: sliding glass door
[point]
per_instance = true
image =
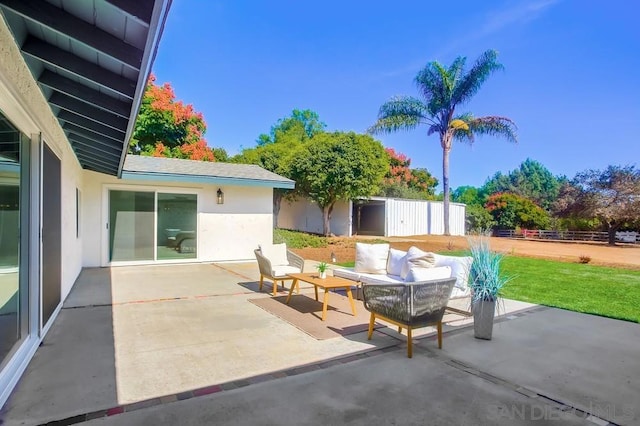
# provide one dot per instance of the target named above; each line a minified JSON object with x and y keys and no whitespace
{"x":14,"y":285}
{"x":149,"y":225}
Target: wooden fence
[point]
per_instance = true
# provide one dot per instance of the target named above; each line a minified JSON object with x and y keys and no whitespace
{"x":629,"y":237}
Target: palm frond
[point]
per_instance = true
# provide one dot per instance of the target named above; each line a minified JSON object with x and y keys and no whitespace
{"x":471,"y":82}
{"x":494,"y":126}
{"x":432,"y":81}
{"x":400,"y":113}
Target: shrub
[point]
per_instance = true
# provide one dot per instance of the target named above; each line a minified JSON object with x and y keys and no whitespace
{"x":295,"y":239}
{"x":584,"y":258}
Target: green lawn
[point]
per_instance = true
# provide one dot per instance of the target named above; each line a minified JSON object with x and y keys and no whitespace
{"x":599,"y":290}
{"x":610,"y":292}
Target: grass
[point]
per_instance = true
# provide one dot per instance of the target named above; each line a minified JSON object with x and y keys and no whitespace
{"x":296,"y":239}
{"x":599,"y":290}
{"x":591,"y":289}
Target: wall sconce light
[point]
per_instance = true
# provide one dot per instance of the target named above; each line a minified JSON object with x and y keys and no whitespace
{"x":220,"y":196}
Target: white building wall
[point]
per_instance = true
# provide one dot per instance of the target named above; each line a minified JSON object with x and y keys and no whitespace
{"x":406,"y":217}
{"x":305,"y":215}
{"x":226,"y":232}
{"x":21,"y":101}
{"x":457,"y":213}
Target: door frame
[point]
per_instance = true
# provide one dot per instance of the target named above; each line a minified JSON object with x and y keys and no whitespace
{"x":104,"y":240}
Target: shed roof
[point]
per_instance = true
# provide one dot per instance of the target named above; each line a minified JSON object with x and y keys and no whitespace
{"x":174,"y":169}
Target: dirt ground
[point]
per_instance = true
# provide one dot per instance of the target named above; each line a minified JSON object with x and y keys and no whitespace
{"x":622,"y":255}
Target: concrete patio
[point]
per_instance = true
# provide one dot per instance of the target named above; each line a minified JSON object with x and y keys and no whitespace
{"x":182,"y":345}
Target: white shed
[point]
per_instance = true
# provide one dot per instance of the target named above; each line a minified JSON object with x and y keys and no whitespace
{"x":389,"y":217}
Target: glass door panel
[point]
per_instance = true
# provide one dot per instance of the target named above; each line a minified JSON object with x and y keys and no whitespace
{"x":13,"y":290}
{"x":131,"y":225}
{"x":177,"y":226}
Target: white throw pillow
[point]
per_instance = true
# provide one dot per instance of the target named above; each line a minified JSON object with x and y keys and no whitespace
{"x":460,"y":268}
{"x":395,"y":261}
{"x":276,"y":253}
{"x":417,"y":258}
{"x":428,"y":274}
{"x":371,"y":258}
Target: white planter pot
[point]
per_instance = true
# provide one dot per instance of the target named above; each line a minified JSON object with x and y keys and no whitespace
{"x":323,"y":275}
{"x":483,"y":314}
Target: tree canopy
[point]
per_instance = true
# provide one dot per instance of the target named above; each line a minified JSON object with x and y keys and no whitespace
{"x":611,"y":195}
{"x":338,"y":166}
{"x":511,"y":211}
{"x":166,"y":127}
{"x":442,"y":90}
{"x":401,"y":181}
{"x":531,"y":180}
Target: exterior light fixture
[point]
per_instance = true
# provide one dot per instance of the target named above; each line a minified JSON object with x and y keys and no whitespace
{"x":220,"y":196}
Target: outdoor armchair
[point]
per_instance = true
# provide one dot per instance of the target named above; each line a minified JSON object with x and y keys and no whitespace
{"x":409,"y":305}
{"x":276,"y":264}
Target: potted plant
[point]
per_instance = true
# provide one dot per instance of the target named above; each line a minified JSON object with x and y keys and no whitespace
{"x":322,"y":269}
{"x":485,"y":283}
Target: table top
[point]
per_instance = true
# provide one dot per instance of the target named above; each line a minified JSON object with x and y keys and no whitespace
{"x":329,"y":282}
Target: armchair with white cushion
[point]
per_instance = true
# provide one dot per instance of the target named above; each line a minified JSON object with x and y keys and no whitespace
{"x":276,"y":263}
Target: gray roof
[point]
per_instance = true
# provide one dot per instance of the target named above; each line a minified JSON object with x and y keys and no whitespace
{"x":174,"y":169}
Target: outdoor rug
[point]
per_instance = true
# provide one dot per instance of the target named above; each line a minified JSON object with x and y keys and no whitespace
{"x":304,"y":313}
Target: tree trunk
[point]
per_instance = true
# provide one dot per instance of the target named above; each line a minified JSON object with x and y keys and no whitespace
{"x":326,"y":218}
{"x":446,"y":149}
{"x":612,"y":234}
{"x":277,"y":201}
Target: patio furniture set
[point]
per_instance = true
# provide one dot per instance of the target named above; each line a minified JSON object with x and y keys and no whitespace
{"x":407,"y":289}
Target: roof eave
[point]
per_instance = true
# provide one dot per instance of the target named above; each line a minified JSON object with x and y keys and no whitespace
{"x":212,"y":180}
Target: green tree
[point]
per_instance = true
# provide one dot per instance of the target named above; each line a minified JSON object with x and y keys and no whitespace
{"x":469,"y":195}
{"x":166,"y":127}
{"x":531,"y":180}
{"x":338,"y":166}
{"x":275,"y":151}
{"x":611,"y":195}
{"x":303,"y":124}
{"x":512,"y":211}
{"x":443,"y":89}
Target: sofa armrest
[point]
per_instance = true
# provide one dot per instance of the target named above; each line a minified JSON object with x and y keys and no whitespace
{"x":295,"y":260}
{"x":264,"y":264}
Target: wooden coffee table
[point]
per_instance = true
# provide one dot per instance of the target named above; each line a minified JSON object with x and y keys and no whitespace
{"x":327,"y":284}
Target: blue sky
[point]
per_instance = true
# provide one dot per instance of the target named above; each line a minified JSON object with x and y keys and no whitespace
{"x":571,"y":79}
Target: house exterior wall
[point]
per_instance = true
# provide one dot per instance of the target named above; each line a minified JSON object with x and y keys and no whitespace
{"x":226,"y":232}
{"x":304,"y":215}
{"x":23,"y":104}
{"x":21,"y":101}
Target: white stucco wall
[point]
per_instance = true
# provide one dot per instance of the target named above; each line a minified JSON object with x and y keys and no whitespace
{"x":226,"y":232}
{"x":22,"y":102}
{"x":304,"y":215}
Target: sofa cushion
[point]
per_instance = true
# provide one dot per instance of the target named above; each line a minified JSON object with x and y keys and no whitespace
{"x":371,"y":258}
{"x":458,"y":292}
{"x":348,"y":274}
{"x":276,"y":253}
{"x":380,"y":279}
{"x":395,"y":261}
{"x":428,"y":274}
{"x":460,"y":268}
{"x":417,"y":258}
{"x":283,"y":270}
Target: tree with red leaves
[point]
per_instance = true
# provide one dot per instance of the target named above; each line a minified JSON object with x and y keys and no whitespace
{"x":401,"y":181}
{"x":167,"y":127}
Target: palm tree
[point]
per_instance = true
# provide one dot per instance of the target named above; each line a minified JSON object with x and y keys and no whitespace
{"x":442,"y":90}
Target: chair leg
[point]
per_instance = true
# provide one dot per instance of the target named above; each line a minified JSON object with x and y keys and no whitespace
{"x":399,"y":329}
{"x":409,"y":343}
{"x":372,"y":322}
{"x":439,"y":325}
{"x":261,"y":281}
{"x":275,"y":287}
